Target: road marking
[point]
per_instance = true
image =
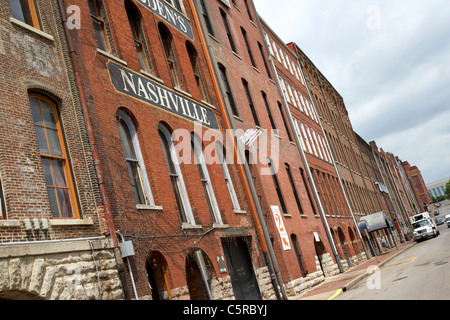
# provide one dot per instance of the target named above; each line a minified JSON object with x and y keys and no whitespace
{"x":336,"y":294}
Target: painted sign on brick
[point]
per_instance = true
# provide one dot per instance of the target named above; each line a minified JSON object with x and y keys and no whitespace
{"x":170,"y":15}
{"x":146,"y":90}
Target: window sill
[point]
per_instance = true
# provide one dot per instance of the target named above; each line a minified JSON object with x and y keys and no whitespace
{"x":240,"y":211}
{"x":151,"y":76}
{"x":109,"y":55}
{"x":188,"y":226}
{"x":220,"y":226}
{"x":148,"y":207}
{"x":208,"y":104}
{"x":237,"y":56}
{"x":183,"y":92}
{"x":71,"y":222}
{"x":31,"y":28}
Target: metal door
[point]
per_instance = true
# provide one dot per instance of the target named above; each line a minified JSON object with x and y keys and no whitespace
{"x":240,"y":268}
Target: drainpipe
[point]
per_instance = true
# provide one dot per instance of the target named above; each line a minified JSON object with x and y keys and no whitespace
{"x":205,"y":277}
{"x":303,"y":157}
{"x":90,"y":132}
{"x":244,"y":171}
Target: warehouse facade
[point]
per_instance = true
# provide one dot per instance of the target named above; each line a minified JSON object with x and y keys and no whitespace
{"x":176,"y":150}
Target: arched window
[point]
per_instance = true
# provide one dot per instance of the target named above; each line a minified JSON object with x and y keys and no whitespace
{"x":57,"y":173}
{"x":229,"y":94}
{"x":205,"y":179}
{"x":196,"y":71}
{"x":138,"y":35}
{"x":135,"y":162}
{"x":98,"y":16}
{"x":2,"y":203}
{"x":294,"y":189}
{"x":299,"y":255}
{"x":176,"y":176}
{"x":277,"y":186}
{"x":174,"y":71}
{"x":228,"y":180}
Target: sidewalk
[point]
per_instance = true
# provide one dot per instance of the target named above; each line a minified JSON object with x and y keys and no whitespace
{"x":335,"y":285}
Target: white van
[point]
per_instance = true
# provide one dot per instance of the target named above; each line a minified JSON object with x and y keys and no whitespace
{"x":447,"y":219}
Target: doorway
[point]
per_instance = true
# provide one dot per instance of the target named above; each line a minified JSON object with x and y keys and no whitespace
{"x":243,"y":278}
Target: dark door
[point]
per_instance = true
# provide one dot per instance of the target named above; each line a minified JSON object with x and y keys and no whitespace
{"x":240,"y":267}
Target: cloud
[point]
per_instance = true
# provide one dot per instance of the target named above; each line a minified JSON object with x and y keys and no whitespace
{"x":389,"y":60}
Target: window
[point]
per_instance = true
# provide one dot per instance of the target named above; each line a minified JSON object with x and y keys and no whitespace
{"x":269,"y":113}
{"x":294,"y":189}
{"x":284,"y":121}
{"x":277,"y":186}
{"x":261,"y":50}
{"x":57,"y":174}
{"x":248,"y":10}
{"x":302,"y":173}
{"x":249,"y":50}
{"x":206,"y":17}
{"x":299,"y":255}
{"x":228,"y":180}
{"x":176,"y":4}
{"x":166,"y":38}
{"x":26,"y":11}
{"x":176,"y":177}
{"x":2,"y":203}
{"x":196,"y":71}
{"x":135,"y":162}
{"x":250,"y":102}
{"x":229,"y":94}
{"x":205,"y":179}
{"x":98,"y":17}
{"x":227,"y":29}
{"x":138,"y":35}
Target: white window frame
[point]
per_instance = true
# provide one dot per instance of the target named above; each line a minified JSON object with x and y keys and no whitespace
{"x":200,"y":159}
{"x":227,"y":176}
{"x":137,"y":150}
{"x":173,"y":154}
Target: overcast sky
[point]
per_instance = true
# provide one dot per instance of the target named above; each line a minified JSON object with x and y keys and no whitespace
{"x":389,"y":60}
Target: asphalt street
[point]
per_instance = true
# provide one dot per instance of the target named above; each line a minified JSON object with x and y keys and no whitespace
{"x":420,"y":273}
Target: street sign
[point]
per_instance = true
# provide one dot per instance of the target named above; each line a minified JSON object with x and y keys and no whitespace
{"x":281,"y":229}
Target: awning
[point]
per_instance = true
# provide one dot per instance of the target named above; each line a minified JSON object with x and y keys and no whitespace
{"x":374,"y":222}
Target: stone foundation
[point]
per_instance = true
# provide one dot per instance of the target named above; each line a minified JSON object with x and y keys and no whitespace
{"x":59,"y":270}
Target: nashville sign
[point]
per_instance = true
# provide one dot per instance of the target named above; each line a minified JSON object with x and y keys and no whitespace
{"x":139,"y":87}
{"x":172,"y":16}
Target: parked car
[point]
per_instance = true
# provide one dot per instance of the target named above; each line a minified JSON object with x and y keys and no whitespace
{"x":447,"y":219}
{"x":439,"y":221}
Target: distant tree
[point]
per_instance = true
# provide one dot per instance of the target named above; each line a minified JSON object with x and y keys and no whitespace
{"x":447,"y":190}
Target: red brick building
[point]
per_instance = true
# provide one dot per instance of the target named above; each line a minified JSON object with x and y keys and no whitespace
{"x":151,"y":97}
{"x":331,"y":206}
{"x":249,"y":83}
{"x":52,"y":222}
{"x":418,"y":185}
